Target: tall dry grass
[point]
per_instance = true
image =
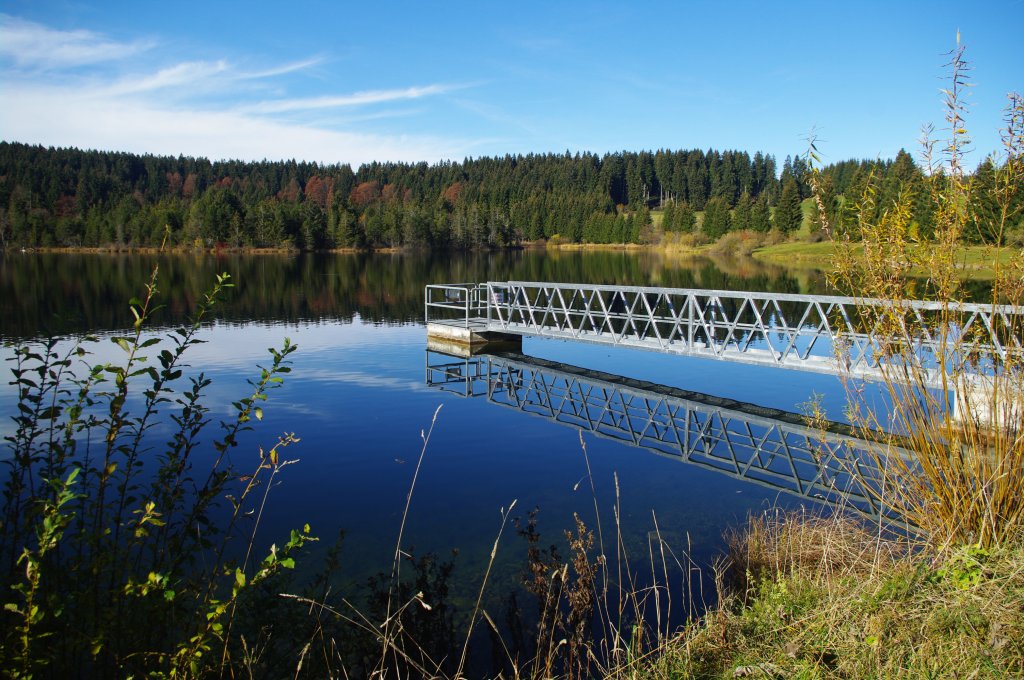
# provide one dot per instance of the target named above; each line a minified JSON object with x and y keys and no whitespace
{"x":964,"y":486}
{"x":825,"y":597}
{"x":590,"y":608}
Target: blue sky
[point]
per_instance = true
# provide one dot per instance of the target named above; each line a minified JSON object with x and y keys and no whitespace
{"x":342,"y":82}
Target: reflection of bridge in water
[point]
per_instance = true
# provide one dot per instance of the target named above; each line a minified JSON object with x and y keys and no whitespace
{"x":767,"y":446}
{"x":824,"y":334}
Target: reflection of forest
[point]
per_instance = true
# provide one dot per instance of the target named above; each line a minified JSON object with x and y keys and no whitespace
{"x":61,"y":293}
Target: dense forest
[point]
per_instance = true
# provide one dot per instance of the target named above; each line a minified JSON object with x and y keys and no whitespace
{"x":67,"y":197}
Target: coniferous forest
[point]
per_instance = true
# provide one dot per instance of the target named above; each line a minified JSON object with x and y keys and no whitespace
{"x":70,"y":198}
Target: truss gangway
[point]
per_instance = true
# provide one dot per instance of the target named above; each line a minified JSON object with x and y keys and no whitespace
{"x":825,"y":462}
{"x":825,"y":334}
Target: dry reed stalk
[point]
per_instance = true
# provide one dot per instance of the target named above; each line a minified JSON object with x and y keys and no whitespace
{"x":388,"y":637}
{"x":963,"y":485}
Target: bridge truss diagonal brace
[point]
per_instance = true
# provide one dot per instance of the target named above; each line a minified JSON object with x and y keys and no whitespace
{"x":807,"y":332}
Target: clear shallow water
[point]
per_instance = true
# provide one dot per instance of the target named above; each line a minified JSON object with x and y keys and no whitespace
{"x":358,"y":400}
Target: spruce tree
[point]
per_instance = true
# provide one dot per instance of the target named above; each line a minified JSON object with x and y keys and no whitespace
{"x":760,"y":215}
{"x":902,"y":177}
{"x":640,"y":228}
{"x":668,"y":217}
{"x":716,"y":217}
{"x":741,"y":214}
{"x":984,"y":210}
{"x":788,"y":215}
{"x":685,"y":218}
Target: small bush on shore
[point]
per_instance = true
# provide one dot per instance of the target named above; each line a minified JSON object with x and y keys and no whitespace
{"x":114,"y":533}
{"x":738,"y":243}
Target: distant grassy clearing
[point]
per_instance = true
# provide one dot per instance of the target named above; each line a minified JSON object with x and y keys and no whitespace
{"x":979,"y":261}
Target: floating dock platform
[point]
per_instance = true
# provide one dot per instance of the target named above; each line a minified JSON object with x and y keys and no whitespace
{"x":469,"y":339}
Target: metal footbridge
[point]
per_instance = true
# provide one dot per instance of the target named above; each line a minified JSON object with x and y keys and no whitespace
{"x":825,"y":334}
{"x":770,"y":447}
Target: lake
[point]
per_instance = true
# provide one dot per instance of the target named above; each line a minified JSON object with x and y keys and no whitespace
{"x":359,"y":400}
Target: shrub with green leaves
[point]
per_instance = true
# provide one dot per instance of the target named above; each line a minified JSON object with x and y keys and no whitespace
{"x":113,"y":534}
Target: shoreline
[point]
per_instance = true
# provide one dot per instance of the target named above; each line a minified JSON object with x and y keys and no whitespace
{"x":977,"y":261}
{"x":191,"y":250}
{"x":290,"y":250}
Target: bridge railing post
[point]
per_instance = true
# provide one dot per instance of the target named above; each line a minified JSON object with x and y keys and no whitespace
{"x":689,"y":320}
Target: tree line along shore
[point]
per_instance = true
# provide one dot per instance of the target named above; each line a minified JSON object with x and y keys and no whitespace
{"x":69,"y":198}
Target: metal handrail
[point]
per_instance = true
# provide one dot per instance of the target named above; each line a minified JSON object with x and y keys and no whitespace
{"x":820,"y":333}
{"x":453,"y":297}
{"x":779,"y":329}
{"x":930,"y":305}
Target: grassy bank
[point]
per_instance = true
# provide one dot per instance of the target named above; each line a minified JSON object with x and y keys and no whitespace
{"x":818,"y":597}
{"x":977,"y":262}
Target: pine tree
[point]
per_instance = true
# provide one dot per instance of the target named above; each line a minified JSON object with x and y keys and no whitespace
{"x":668,"y":217}
{"x":741,"y":214}
{"x":640,"y":230}
{"x":716,"y":217}
{"x":663,"y":172}
{"x":788,"y":215}
{"x":760,"y":215}
{"x":903,"y":177}
{"x":984,"y":210}
{"x":685,"y":218}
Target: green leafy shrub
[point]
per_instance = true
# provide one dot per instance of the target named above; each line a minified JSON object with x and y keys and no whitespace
{"x":113,"y":542}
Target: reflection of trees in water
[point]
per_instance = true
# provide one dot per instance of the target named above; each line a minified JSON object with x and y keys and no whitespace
{"x":62,"y":293}
{"x":746,"y":267}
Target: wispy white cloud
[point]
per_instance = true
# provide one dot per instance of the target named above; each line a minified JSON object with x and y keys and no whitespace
{"x":64,"y":117}
{"x":187,"y":73}
{"x":34,"y":46}
{"x":200,"y":108}
{"x":356,"y":99}
{"x":497,"y":115}
{"x":283,"y":69}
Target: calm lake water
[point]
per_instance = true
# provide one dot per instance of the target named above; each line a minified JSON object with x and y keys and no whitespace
{"x":359,"y":401}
